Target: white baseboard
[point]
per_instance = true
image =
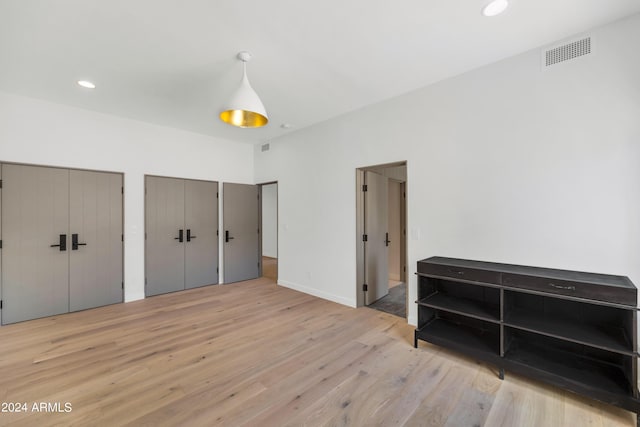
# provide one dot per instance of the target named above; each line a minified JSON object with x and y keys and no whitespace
{"x":135,"y":297}
{"x":317,"y":293}
{"x":412,"y":321}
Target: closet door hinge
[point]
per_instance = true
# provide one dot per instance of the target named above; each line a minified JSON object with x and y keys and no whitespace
{"x":364,"y":188}
{"x":364,"y":237}
{"x":0,"y":244}
{"x":0,"y":183}
{"x":0,"y":304}
{"x":365,"y":287}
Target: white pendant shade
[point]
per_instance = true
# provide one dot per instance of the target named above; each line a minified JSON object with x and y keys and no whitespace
{"x":245,"y":109}
{"x":496,"y":7}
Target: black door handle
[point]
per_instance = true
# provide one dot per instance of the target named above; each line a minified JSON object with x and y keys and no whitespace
{"x":180,"y":236}
{"x":63,"y":243}
{"x":74,"y":242}
{"x":189,"y":236}
{"x":226,"y":236}
{"x":386,"y":239}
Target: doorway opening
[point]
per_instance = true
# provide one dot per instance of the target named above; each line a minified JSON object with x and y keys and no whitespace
{"x":269,"y":225}
{"x":381,"y":242}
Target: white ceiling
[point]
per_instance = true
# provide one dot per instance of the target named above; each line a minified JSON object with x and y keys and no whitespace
{"x":172,"y":62}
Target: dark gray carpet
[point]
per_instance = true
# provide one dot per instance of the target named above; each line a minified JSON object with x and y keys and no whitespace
{"x":394,"y":302}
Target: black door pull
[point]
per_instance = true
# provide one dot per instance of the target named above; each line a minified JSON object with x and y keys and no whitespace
{"x":386,"y":239}
{"x":226,"y":236}
{"x":74,"y":242}
{"x":180,"y":236}
{"x":63,"y":243}
{"x":189,"y":236}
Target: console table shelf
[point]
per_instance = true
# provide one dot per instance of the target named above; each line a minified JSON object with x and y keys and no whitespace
{"x":462,"y":306}
{"x":569,"y":367}
{"x":462,"y":337}
{"x":571,"y":329}
{"x":610,"y":338}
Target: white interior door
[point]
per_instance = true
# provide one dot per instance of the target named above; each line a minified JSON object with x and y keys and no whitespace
{"x":201,"y":240}
{"x":241,"y":232}
{"x":375,"y":226}
{"x":165,"y":235}
{"x":95,"y":252}
{"x":395,"y":230}
{"x":35,"y":242}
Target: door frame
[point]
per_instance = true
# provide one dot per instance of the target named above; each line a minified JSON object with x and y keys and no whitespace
{"x":360,"y":228}
{"x":260,"y":185}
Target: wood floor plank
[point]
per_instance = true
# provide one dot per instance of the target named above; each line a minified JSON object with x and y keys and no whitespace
{"x":442,"y":401}
{"x":254,"y":353}
{"x":343,"y":404}
{"x":294,"y":393}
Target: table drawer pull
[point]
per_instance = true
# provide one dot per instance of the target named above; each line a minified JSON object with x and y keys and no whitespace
{"x":568,"y":288}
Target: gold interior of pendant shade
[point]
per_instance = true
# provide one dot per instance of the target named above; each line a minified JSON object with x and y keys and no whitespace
{"x":244,"y":109}
{"x":243,"y":118}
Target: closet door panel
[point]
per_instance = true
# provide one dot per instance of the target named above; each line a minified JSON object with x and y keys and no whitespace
{"x":241,"y":232}
{"x":35,"y":214}
{"x":376,"y":225}
{"x":165,"y":235}
{"x":95,"y":212}
{"x":201,"y":241}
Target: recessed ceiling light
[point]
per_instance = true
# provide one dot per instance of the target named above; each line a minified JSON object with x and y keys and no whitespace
{"x":496,"y":7}
{"x":87,"y":84}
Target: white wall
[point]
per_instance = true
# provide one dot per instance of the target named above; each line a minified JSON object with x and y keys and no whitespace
{"x":270,"y":220}
{"x":506,"y":163}
{"x":38,"y":132}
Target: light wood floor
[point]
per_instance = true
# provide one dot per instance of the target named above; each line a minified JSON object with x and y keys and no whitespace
{"x":257,"y":354}
{"x":393,"y":283}
{"x":270,"y":268}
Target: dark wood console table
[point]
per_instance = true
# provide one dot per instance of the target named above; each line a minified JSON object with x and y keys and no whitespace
{"x":574,"y":330}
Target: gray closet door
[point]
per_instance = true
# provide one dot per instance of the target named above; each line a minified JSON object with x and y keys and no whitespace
{"x":165,"y":235}
{"x":95,"y":218}
{"x":241,"y":232}
{"x":376,"y":248}
{"x":201,"y":240}
{"x":35,"y":216}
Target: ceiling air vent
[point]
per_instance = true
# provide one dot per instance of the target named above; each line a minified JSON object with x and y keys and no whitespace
{"x":265,"y":147}
{"x":567,"y":51}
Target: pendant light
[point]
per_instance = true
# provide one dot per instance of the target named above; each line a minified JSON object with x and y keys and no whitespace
{"x":245,"y":109}
{"x":496,"y":7}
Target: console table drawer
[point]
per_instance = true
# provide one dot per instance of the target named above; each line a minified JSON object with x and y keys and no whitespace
{"x":570,"y":288}
{"x":459,"y":273}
